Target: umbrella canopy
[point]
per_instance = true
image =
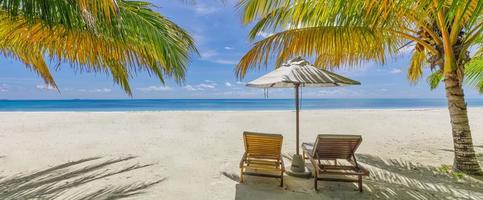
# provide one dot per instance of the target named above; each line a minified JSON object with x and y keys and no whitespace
{"x":300,"y":72}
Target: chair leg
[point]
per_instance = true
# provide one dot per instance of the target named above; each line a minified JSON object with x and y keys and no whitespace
{"x":241,"y":176}
{"x":360,"y":183}
{"x":315,"y":183}
{"x":281,"y":180}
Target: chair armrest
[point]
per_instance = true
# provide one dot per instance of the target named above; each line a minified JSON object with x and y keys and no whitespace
{"x":242,"y":161}
{"x":282,"y":163}
{"x":312,"y":160}
{"x":304,"y":146}
{"x":314,"y":164}
{"x":307,"y":150}
{"x":356,"y":164}
{"x":363,"y":169}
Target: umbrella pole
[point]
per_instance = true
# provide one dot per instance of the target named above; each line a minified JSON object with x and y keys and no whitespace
{"x":298,"y":163}
{"x":297,"y":110}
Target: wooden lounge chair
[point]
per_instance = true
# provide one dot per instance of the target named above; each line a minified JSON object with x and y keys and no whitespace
{"x":333,"y":159}
{"x":262,"y":156}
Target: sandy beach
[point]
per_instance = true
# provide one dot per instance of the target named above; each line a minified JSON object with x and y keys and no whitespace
{"x":195,"y":155}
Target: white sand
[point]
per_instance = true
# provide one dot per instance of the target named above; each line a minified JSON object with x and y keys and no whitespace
{"x":192,"y":150}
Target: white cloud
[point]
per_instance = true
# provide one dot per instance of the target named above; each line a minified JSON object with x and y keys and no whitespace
{"x":206,"y":86}
{"x":95,"y":90}
{"x":228,"y":84}
{"x":155,"y":88}
{"x":103,"y":90}
{"x":210,"y":82}
{"x":395,"y":71}
{"x":190,"y":88}
{"x":228,"y":48}
{"x":45,"y":87}
{"x":203,"y":9}
{"x":264,"y":34}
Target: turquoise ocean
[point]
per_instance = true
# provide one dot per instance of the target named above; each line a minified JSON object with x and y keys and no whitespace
{"x":222,"y":104}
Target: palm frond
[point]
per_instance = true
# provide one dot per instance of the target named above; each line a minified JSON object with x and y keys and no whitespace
{"x":462,"y":14}
{"x":474,"y":73}
{"x":415,"y":70}
{"x":149,"y":43}
{"x":253,"y":9}
{"x":273,"y":14}
{"x":171,"y":44}
{"x":387,"y":26}
{"x":332,"y":46}
{"x":68,"y":13}
{"x":33,"y":60}
{"x":434,"y":79}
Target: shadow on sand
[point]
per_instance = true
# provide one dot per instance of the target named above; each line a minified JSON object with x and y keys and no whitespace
{"x":389,"y":179}
{"x":76,"y":180}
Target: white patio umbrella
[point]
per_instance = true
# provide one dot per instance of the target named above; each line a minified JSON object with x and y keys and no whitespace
{"x":298,"y":73}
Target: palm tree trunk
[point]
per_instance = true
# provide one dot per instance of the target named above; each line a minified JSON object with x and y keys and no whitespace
{"x":465,"y":157}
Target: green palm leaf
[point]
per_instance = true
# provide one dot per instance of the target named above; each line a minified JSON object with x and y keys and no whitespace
{"x":146,"y":42}
{"x":62,"y":12}
{"x":474,"y":73}
{"x":434,"y":79}
{"x":394,"y":23}
{"x":415,"y":70}
{"x":331,"y":46}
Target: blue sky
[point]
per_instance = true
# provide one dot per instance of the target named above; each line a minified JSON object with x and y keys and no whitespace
{"x":222,"y":41}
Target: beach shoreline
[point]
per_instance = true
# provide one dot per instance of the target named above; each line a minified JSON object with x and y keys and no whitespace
{"x":476,"y":108}
{"x":195,"y":150}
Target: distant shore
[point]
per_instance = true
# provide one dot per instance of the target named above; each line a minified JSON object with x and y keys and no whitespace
{"x":199,"y":151}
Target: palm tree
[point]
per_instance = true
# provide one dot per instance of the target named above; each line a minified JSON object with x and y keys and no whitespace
{"x":339,"y":33}
{"x":117,"y":37}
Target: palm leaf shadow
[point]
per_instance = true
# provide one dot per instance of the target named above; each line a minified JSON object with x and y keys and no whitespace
{"x":61,"y":180}
{"x":399,"y":179}
{"x":389,"y":179}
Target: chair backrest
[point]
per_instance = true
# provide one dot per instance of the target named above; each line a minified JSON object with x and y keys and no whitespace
{"x":336,"y":146}
{"x":262,"y":145}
